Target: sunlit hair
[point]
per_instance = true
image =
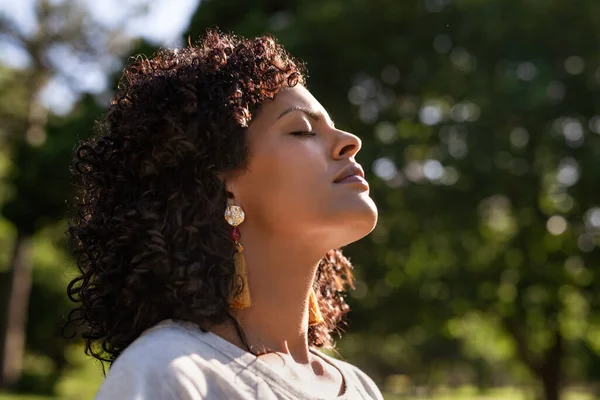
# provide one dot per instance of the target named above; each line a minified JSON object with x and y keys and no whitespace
{"x":147,"y":220}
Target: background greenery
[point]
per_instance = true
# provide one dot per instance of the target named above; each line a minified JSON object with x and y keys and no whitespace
{"x":480,"y":123}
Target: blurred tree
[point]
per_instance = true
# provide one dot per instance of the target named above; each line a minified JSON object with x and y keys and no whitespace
{"x":64,"y":31}
{"x":479,"y":119}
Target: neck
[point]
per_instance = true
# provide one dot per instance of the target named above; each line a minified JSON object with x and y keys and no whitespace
{"x":280,"y":275}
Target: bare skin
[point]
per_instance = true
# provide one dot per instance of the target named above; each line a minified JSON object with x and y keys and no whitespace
{"x":295,"y":213}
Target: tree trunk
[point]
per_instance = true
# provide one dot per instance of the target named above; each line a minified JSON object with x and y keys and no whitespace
{"x":546,"y":368}
{"x":14,"y":302}
{"x":549,"y":372}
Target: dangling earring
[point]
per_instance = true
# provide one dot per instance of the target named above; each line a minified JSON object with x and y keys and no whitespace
{"x":234,"y":215}
{"x":314,"y":313}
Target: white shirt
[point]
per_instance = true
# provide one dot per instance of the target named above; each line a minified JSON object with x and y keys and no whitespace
{"x":176,"y":360}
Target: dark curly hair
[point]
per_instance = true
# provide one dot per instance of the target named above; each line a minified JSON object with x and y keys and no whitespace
{"x":147,"y":225}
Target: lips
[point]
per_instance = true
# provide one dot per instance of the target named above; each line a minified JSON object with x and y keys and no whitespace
{"x":352,"y":178}
{"x":352,"y":170}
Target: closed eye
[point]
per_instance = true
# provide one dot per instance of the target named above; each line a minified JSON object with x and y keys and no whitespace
{"x":303,"y":133}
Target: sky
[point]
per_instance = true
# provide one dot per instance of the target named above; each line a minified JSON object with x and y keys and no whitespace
{"x":162,"y":25}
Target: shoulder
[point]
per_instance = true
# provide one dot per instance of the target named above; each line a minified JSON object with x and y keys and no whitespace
{"x":162,"y":346}
{"x":167,"y":362}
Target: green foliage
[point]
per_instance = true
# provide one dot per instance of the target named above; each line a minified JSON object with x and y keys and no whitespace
{"x":14,"y":97}
{"x":82,"y":378}
{"x":23,"y":397}
{"x":33,"y":204}
{"x":38,"y":179}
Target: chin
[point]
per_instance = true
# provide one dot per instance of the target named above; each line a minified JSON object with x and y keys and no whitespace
{"x":358,"y":223}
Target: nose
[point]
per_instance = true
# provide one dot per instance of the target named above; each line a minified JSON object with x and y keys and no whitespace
{"x":347,"y":145}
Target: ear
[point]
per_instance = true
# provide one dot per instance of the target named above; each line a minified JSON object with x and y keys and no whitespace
{"x":229,"y":183}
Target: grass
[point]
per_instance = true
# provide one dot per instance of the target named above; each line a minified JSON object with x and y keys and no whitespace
{"x":471,"y":393}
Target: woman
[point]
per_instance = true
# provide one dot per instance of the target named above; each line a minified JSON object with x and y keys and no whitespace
{"x":210,"y":212}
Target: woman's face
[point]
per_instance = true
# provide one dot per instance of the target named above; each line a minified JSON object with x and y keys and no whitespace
{"x":290,"y":185}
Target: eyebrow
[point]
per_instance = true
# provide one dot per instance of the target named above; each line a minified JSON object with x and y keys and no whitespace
{"x":312,"y":114}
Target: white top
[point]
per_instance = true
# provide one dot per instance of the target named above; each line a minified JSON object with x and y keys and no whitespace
{"x":176,"y":360}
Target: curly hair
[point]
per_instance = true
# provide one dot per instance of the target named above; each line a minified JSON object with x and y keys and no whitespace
{"x":147,"y":227}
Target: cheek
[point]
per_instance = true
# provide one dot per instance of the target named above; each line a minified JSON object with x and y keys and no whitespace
{"x":287,"y":186}
{"x":293,"y":177}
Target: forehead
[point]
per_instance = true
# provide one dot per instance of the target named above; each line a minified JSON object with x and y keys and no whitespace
{"x":286,"y":98}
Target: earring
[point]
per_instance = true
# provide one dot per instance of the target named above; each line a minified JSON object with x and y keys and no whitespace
{"x":234,"y":215}
{"x":314,"y":313}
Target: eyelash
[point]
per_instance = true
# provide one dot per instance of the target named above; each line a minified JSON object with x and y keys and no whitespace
{"x":303,"y":133}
